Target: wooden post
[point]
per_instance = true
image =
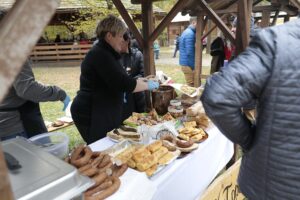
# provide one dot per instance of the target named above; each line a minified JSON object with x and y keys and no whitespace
{"x":147,"y":22}
{"x":265,"y":21}
{"x":17,"y":40}
{"x":5,"y":189}
{"x":286,"y":18}
{"x":198,"y":51}
{"x":243,"y":27}
{"x":209,"y":27}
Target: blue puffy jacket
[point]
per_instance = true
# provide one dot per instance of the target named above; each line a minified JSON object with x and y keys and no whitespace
{"x":187,"y":47}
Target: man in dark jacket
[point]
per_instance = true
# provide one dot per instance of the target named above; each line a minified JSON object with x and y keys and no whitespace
{"x":177,"y":42}
{"x":133,"y":62}
{"x":269,"y":72}
{"x":187,"y":51}
{"x":20,"y":112}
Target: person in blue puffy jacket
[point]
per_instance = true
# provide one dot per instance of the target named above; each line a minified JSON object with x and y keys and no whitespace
{"x":187,"y":51}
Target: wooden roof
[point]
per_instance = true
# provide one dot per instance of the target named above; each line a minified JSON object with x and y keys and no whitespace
{"x":291,"y":7}
{"x":74,"y":5}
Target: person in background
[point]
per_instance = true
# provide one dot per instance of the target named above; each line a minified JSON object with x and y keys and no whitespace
{"x":187,"y":51}
{"x":20,"y":113}
{"x":268,"y":71}
{"x":177,"y":42}
{"x":221,"y":50}
{"x":156,"y":49}
{"x":98,"y":106}
{"x":133,"y":62}
{"x":57,"y":39}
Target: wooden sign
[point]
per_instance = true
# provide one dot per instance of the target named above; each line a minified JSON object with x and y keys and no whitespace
{"x":225,"y":186}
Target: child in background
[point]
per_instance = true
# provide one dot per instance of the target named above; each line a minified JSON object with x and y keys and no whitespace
{"x":156,"y":48}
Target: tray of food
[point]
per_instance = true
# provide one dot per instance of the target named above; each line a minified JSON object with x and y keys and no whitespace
{"x":190,"y":131}
{"x":150,"y":119}
{"x":188,"y":90}
{"x":150,"y":159}
{"x":124,"y":133}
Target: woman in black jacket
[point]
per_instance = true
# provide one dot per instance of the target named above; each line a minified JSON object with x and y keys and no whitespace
{"x":97,"y":108}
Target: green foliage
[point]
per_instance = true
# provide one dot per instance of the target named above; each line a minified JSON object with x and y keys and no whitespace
{"x":165,"y":5}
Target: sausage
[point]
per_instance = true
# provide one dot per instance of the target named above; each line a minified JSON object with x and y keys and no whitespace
{"x":105,"y":161}
{"x":76,"y":153}
{"x":87,"y":154}
{"x":95,"y":155}
{"x":184,"y":144}
{"x":103,"y":169}
{"x":99,"y":178}
{"x":90,"y":172}
{"x":97,"y":160}
{"x":106,"y":192}
{"x":119,"y":171}
{"x":168,"y":145}
{"x":107,"y":183}
{"x":169,"y":138}
{"x":85,"y":167}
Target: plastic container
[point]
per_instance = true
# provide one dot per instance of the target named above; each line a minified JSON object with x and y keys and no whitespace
{"x":176,"y":111}
{"x":55,"y":143}
{"x":175,"y":102}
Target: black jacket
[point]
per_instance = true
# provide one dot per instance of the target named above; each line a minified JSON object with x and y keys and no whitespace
{"x":134,"y":65}
{"x":103,"y":82}
{"x":268,"y":71}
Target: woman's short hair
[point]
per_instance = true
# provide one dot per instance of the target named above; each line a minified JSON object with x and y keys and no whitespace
{"x":110,"y":24}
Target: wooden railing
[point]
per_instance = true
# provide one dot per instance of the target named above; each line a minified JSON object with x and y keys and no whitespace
{"x":59,"y":52}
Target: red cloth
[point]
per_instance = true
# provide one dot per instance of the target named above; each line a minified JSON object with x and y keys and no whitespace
{"x":228,"y":52}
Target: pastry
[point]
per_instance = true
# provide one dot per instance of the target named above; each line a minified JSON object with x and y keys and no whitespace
{"x":166,"y":158}
{"x":154,"y":146}
{"x":160,"y":152}
{"x":146,"y":163}
{"x":151,"y":170}
{"x":139,"y":155}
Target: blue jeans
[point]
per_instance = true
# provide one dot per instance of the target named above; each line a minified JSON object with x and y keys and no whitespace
{"x":22,"y":134}
{"x":156,"y":53}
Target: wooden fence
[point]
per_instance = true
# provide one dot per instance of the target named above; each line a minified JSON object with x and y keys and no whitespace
{"x":59,"y":52}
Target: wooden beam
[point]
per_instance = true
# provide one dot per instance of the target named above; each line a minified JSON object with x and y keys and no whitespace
{"x":217,"y":20}
{"x":18,"y":35}
{"x":173,"y":12}
{"x":208,"y":35}
{"x":256,"y":2}
{"x":131,"y":25}
{"x":296,"y":3}
{"x":265,"y":21}
{"x":275,"y":18}
{"x":198,"y":51}
{"x":147,"y":21}
{"x":265,"y":8}
{"x":243,"y":26}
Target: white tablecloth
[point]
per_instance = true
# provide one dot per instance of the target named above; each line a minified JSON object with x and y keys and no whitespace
{"x":184,"y":179}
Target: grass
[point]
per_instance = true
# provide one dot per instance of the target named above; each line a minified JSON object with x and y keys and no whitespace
{"x":67,"y":77}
